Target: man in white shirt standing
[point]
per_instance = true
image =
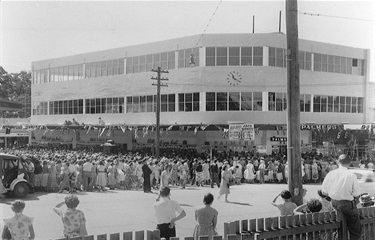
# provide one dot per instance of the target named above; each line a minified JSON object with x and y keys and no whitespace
{"x":342,"y":187}
{"x":87,"y":166}
{"x":165,"y":212}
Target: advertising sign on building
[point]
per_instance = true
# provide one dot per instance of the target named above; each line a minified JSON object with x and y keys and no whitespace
{"x":241,"y":132}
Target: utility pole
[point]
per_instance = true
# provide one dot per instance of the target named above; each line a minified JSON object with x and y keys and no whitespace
{"x":158,"y":85}
{"x":293,"y":109}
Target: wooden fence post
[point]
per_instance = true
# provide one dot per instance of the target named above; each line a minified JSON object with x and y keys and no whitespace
{"x":244,"y":226}
{"x":114,"y":236}
{"x":139,"y":235}
{"x":203,"y":237}
{"x":102,"y":237}
{"x":217,"y":237}
{"x":127,"y":235}
{"x":153,"y":235}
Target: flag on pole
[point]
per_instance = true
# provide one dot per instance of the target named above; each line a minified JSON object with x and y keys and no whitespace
{"x":195,"y":130}
{"x":136,"y":132}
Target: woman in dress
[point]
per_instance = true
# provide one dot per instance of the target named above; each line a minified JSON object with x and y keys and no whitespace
{"x":64,"y":176}
{"x":79,"y":173}
{"x":206,"y":172}
{"x":112,"y":176}
{"x":262,"y":171}
{"x":250,"y":172}
{"x":271,"y":171}
{"x":314,"y":171}
{"x":164,"y":178}
{"x":19,"y":226}
{"x":174,"y":173}
{"x":45,"y":175}
{"x":52,"y":186}
{"x":206,"y":218}
{"x":224,"y":184}
{"x":199,"y":174}
{"x":74,"y":220}
{"x":102,"y":176}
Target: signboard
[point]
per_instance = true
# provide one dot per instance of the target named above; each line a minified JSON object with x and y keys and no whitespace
{"x":243,"y":132}
{"x":262,"y":149}
{"x":15,"y":134}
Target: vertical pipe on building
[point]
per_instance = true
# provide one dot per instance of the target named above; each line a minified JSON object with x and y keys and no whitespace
{"x":293,"y":92}
{"x":253,"y":23}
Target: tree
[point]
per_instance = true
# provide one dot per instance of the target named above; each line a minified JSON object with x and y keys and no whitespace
{"x":16,"y":87}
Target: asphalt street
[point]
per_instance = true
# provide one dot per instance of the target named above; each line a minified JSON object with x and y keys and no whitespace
{"x":118,"y":211}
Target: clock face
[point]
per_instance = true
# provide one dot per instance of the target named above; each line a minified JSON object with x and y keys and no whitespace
{"x":234,"y":78}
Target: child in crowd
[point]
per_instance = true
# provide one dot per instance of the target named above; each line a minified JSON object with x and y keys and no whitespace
{"x":288,"y":206}
{"x":313,"y":205}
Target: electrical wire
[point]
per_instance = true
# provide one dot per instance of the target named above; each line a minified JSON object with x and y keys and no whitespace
{"x":209,"y":21}
{"x":331,"y":16}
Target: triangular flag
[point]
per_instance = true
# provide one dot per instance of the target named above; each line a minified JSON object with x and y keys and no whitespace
{"x":101,"y":131}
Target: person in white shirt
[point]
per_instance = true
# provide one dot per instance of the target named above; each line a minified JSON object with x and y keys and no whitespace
{"x":86,"y":176}
{"x":342,"y":187}
{"x":165,"y":212}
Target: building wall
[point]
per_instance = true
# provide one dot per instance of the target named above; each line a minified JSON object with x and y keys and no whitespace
{"x":203,"y":79}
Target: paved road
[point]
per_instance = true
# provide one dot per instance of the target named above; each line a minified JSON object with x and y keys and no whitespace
{"x":121,"y":211}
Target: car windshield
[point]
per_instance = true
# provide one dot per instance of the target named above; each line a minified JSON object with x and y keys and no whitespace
{"x":359,"y":176}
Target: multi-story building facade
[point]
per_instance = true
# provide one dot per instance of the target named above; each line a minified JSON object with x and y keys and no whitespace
{"x":214,"y":79}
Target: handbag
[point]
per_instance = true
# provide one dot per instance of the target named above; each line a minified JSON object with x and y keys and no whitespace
{"x":6,"y":233}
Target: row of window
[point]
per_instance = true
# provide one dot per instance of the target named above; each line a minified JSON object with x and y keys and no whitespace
{"x":215,"y":56}
{"x":190,"y":102}
{"x":341,"y":104}
{"x":253,"y":56}
{"x":234,"y":56}
{"x":73,"y":72}
{"x":104,"y":68}
{"x":234,"y":101}
{"x":164,"y":60}
{"x":104,"y":105}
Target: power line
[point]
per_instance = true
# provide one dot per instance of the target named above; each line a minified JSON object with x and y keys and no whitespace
{"x":209,"y":21}
{"x":331,"y":16}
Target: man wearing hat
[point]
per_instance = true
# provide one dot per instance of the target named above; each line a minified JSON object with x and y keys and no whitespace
{"x":165,"y":212}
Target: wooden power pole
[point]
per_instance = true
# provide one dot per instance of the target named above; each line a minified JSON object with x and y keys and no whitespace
{"x":293,"y":109}
{"x":158,"y":85}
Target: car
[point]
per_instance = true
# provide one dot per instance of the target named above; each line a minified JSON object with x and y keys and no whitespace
{"x":14,"y":176}
{"x":366,"y":180}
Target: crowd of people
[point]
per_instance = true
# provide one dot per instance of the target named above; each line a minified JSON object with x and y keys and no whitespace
{"x":66,"y":170}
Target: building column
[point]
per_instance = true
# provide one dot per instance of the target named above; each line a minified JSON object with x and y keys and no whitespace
{"x":264,"y":101}
{"x":265,"y":56}
{"x":202,"y":56}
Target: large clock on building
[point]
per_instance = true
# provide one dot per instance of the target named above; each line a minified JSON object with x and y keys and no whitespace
{"x":234,"y":78}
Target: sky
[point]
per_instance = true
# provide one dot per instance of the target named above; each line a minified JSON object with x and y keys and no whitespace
{"x":38,"y":30}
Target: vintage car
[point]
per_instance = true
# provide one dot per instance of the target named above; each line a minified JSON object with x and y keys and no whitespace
{"x":366,"y":180}
{"x":14,"y":176}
